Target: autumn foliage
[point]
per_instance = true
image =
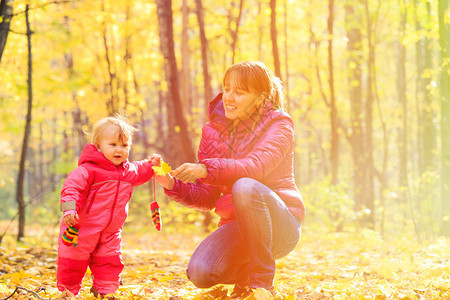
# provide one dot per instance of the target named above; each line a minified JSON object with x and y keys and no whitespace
{"x":356,"y":265}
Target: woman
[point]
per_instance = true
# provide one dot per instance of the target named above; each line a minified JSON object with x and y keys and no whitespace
{"x":245,"y":172}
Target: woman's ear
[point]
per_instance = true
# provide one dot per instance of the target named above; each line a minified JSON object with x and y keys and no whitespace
{"x":261,"y":99}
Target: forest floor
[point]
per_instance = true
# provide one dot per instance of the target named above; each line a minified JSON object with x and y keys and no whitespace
{"x":323,"y":266}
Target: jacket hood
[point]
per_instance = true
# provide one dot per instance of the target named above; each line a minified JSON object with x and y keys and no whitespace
{"x":216,"y":112}
{"x":90,"y":154}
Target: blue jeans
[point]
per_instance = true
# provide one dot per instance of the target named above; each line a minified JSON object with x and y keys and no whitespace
{"x":244,"y":252}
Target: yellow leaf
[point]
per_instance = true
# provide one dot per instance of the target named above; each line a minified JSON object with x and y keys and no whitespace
{"x":163,"y":169}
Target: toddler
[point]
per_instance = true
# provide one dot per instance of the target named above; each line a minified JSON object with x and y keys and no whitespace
{"x":94,"y":200}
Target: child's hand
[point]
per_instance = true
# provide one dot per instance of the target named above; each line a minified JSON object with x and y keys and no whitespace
{"x":155,"y":159}
{"x":71,"y":219}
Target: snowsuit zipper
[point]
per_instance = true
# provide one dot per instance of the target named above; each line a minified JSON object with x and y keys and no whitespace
{"x":115,"y":199}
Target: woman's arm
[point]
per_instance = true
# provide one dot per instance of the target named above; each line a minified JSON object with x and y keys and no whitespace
{"x":194,"y":195}
{"x":271,"y":148}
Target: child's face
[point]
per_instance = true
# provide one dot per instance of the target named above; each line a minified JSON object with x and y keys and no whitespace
{"x":113,"y":148}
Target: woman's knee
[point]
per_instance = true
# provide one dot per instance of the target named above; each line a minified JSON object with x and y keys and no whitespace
{"x":199,"y":274}
{"x":242,"y":191}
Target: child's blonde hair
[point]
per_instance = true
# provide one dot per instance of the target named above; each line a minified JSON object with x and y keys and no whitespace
{"x":124,"y":127}
{"x":254,"y":76}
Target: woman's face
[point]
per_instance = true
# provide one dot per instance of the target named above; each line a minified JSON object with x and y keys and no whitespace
{"x":238,"y":103}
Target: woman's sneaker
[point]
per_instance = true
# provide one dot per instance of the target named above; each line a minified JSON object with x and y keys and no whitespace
{"x":240,"y":292}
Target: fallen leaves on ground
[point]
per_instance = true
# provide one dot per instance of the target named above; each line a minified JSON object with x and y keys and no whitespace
{"x":326,"y":266}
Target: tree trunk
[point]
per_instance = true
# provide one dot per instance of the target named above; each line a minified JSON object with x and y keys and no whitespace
{"x":419,"y":91}
{"x":273,"y":35}
{"x":444,"y":39}
{"x":112,"y":105}
{"x":429,"y":139}
{"x":20,"y":179}
{"x":6,"y":16}
{"x":78,"y":133}
{"x":402,"y":139}
{"x":234,"y":32}
{"x":260,"y":30}
{"x":368,"y":109}
{"x":286,"y":58}
{"x":205,"y":65}
{"x":334,"y":151}
{"x":186,"y":88}
{"x":352,"y":20}
{"x":401,"y":87}
{"x":176,"y":116}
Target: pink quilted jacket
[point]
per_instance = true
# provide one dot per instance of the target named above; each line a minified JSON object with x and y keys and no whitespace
{"x":263,"y":151}
{"x":100,"y":191}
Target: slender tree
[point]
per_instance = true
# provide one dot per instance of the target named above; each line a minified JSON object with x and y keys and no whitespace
{"x":368,"y":113}
{"x":21,"y":176}
{"x":78,"y":133}
{"x":5,"y":17}
{"x":334,"y":151}
{"x":186,"y":88}
{"x":286,"y":56}
{"x":205,"y":64}
{"x":177,"y":121}
{"x":234,"y":29}
{"x":444,"y":39}
{"x":112,"y":104}
{"x":420,"y":66}
{"x":273,"y":35}
{"x":354,"y":52}
{"x":401,"y":88}
{"x":429,"y":133}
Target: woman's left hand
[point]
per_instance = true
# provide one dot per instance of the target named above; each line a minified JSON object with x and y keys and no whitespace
{"x":189,"y":172}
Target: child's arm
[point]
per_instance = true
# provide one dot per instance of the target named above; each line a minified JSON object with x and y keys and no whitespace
{"x":73,"y":194}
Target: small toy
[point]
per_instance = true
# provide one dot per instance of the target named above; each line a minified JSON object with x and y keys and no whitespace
{"x":154,"y":208}
{"x":70,"y":235}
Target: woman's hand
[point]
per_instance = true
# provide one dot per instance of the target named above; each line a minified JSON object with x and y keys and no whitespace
{"x":188,"y":172}
{"x":166,"y":181}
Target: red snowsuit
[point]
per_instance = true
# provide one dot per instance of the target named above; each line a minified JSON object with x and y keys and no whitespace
{"x":99,"y":191}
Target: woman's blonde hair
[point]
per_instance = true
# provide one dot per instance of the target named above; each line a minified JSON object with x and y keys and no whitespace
{"x":255,"y":77}
{"x":124,"y":127}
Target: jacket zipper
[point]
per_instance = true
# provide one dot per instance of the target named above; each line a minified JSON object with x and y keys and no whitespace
{"x":115,"y":199}
{"x":232,"y":138}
